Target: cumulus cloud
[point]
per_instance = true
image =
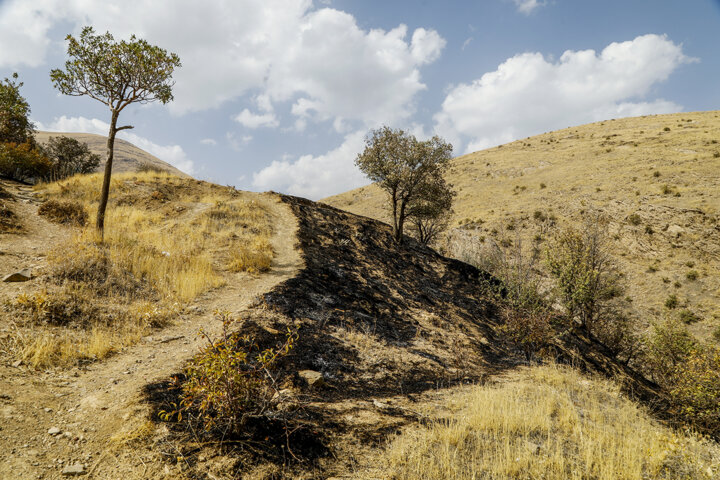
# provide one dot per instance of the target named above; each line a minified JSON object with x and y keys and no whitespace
{"x":316,"y":176}
{"x":254,"y":120}
{"x":209,"y":141}
{"x":288,"y":50}
{"x":529,"y":94}
{"x":528,"y":6}
{"x":172,"y":154}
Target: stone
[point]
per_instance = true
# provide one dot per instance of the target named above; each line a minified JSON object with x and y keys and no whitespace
{"x":21,"y":276}
{"x":74,"y":469}
{"x":54,"y":431}
{"x":312,"y":378}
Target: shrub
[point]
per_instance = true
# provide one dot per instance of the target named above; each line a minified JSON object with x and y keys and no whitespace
{"x":9,"y":222}
{"x":634,"y":219}
{"x":671,"y":302}
{"x":542,"y":185}
{"x":656,"y":173}
{"x":69,"y":157}
{"x":692,"y":275}
{"x":668,"y":346}
{"x":666,"y":129}
{"x":23,"y":162}
{"x":649,"y":230}
{"x":231,"y":380}
{"x":695,"y":391}
{"x":688,"y":316}
{"x":65,"y":212}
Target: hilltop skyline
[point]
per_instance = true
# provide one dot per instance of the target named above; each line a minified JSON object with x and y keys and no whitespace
{"x":280,"y":94}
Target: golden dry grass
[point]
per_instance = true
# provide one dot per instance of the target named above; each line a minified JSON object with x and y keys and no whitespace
{"x":167,"y":240}
{"x":551,"y":423}
{"x":619,"y":168}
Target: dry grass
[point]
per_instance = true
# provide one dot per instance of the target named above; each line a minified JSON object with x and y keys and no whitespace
{"x":167,"y":240}
{"x":617,"y":167}
{"x":548,"y":423}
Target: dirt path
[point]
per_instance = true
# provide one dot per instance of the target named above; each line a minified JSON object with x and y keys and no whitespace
{"x":94,"y":407}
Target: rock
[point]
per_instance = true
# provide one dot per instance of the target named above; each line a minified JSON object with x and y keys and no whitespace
{"x":75,"y":469}
{"x":21,"y":276}
{"x":17,"y":363}
{"x":54,"y":431}
{"x":312,"y":378}
{"x":675,"y":230}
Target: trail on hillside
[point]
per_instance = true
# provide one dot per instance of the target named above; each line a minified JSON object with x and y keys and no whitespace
{"x":96,"y":407}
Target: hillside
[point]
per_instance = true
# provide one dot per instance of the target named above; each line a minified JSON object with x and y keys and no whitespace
{"x":389,"y":340}
{"x":655,"y":178}
{"x":127,"y":157}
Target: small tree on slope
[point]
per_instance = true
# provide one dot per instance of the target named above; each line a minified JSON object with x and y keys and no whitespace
{"x":410,"y":171}
{"x":116,"y":74}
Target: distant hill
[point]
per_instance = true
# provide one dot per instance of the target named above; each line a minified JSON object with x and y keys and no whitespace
{"x":656,"y":177}
{"x":128,"y":157}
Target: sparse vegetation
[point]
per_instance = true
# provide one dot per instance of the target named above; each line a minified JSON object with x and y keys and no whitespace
{"x":547,"y":422}
{"x":70,"y":213}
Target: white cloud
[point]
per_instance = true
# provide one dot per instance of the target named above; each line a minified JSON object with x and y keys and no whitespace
{"x":209,"y":141}
{"x":316,"y":176}
{"x":253,"y":120}
{"x":287,"y":50}
{"x":172,"y":154}
{"x":529,"y":94}
{"x":528,"y":6}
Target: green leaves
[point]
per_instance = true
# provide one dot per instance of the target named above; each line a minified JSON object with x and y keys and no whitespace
{"x":411,"y":171}
{"x":15,"y":124}
{"x":116,"y":73}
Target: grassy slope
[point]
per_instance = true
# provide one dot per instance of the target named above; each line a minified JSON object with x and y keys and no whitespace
{"x":608,"y":166}
{"x":127,"y":158}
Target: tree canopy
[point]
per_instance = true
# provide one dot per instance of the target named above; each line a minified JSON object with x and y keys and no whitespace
{"x":116,"y":74}
{"x":15,"y":124}
{"x":68,"y":157}
{"x":411,"y":172}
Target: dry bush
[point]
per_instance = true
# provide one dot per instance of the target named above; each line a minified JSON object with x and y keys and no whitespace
{"x":552,"y":423}
{"x":68,"y":213}
{"x":9,"y":222}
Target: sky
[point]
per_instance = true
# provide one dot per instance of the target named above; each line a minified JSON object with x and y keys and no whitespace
{"x":281,"y":94}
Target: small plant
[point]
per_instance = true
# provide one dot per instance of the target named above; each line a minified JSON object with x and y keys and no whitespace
{"x":690,"y":264}
{"x":634,"y":219}
{"x":687,"y":316}
{"x":539,"y":215}
{"x":649,"y":230}
{"x":64,"y":212}
{"x":666,"y":189}
{"x":231,"y":380}
{"x":716,"y":155}
{"x":656,"y":173}
{"x":652,"y":269}
{"x":542,"y":185}
{"x":677,"y":284}
{"x":666,"y":129}
{"x":671,"y":302}
{"x":692,"y":275}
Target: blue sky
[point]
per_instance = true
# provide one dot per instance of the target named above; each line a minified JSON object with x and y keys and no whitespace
{"x":279,"y":94}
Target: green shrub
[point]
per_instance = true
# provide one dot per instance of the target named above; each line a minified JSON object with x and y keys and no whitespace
{"x":671,"y":302}
{"x":687,"y":316}
{"x":695,"y":391}
{"x":22,"y":162}
{"x":692,"y":275}
{"x":668,"y":346}
{"x":231,"y":380}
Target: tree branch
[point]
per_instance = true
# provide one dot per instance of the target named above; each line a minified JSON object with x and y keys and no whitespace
{"x":126,"y":127}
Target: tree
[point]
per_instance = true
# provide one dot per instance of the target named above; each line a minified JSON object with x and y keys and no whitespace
{"x":410,"y":171}
{"x":23,"y":162}
{"x":116,"y":74}
{"x":68,"y":157}
{"x":15,"y":124}
{"x":430,"y":212}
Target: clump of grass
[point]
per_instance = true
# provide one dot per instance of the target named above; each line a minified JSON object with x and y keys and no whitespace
{"x":9,"y":222}
{"x":548,"y":422}
{"x":64,"y":212}
{"x":692,"y":275}
{"x":671,"y":302}
{"x":253,"y":258}
{"x":634,"y":219}
{"x":688,"y":316}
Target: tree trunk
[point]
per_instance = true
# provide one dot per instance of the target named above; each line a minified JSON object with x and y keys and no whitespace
{"x":400,"y":222}
{"x":105,"y":192}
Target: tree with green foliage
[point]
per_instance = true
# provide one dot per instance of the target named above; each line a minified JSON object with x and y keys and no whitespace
{"x":116,"y":74}
{"x":68,"y":157}
{"x":410,"y":171}
{"x":15,"y":124}
{"x":431,"y":209}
